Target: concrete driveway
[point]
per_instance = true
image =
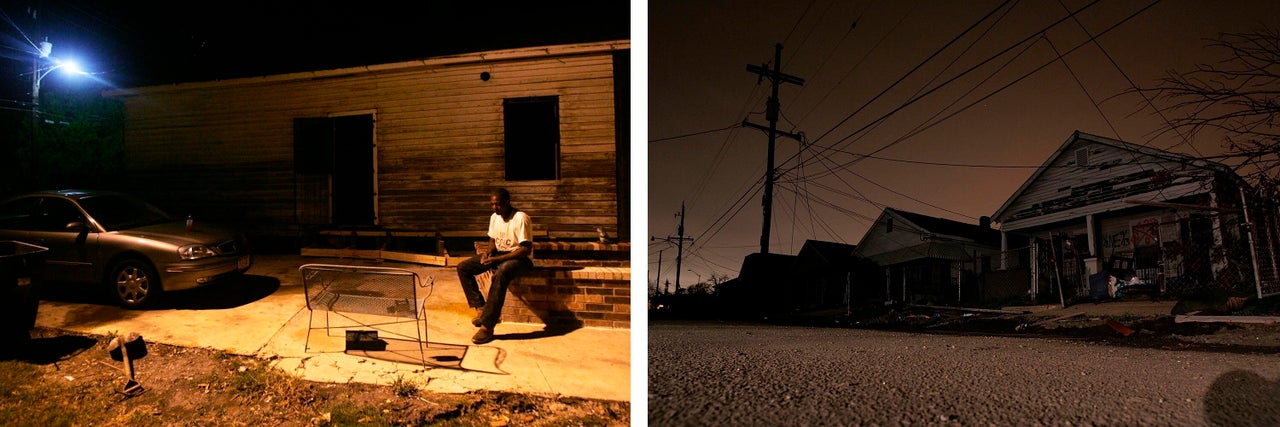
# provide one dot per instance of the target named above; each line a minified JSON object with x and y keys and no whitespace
{"x":264,"y":314}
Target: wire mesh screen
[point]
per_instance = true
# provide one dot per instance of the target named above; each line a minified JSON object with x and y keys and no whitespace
{"x":1266,"y":244}
{"x":359,"y":289}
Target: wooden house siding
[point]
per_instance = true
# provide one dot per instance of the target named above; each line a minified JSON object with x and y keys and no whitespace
{"x":225,"y":150}
{"x":1114,"y":176}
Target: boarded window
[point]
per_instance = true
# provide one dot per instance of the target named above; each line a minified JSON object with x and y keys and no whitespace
{"x":532,"y":138}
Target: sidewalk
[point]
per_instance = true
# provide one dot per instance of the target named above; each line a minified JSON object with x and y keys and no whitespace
{"x":1132,"y":308}
{"x":264,"y":314}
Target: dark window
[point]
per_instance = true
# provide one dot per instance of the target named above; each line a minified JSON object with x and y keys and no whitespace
{"x":16,"y":215}
{"x":55,"y":214}
{"x":119,"y":212}
{"x":532,"y":138}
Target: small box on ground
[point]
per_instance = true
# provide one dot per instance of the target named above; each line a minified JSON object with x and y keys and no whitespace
{"x":365,"y":340}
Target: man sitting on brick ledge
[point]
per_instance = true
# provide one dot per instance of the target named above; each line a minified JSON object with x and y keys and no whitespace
{"x":510,"y":244}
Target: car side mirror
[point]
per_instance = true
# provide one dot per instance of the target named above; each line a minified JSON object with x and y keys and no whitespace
{"x":77,"y":226}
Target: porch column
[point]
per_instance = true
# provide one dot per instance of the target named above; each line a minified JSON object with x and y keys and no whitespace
{"x":1092,"y":264}
{"x":1035,"y":268}
{"x":904,"y":286}
{"x":1004,"y":250}
{"x":1216,"y":266}
{"x":888,"y":283}
{"x":1091,"y":228}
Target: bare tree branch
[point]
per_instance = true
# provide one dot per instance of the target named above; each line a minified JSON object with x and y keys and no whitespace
{"x":1237,"y":97}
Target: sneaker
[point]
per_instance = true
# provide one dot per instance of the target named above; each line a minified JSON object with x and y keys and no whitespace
{"x":483,"y":335}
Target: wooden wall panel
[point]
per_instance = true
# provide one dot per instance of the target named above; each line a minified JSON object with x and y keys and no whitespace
{"x":226,"y":149}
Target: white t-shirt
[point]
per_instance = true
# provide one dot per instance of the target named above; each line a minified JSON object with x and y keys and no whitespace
{"x":507,"y":235}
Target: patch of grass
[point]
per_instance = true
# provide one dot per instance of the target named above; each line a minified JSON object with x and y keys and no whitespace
{"x":347,"y":414}
{"x":138,"y":417}
{"x":30,"y":401}
{"x":403,"y":387}
{"x":1125,"y":318}
{"x":254,"y":380}
{"x":584,"y":420}
{"x":14,"y":375}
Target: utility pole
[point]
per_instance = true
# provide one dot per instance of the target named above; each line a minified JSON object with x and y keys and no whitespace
{"x":679,"y":240}
{"x":771,"y":113}
{"x":45,"y":49}
{"x":658,"y":280}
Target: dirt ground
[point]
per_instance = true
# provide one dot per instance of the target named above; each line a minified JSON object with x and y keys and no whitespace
{"x":64,"y":378}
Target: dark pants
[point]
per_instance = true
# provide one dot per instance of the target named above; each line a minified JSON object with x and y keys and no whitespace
{"x":503,"y":274}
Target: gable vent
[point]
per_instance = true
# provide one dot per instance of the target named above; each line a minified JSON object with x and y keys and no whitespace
{"x":1082,"y":157}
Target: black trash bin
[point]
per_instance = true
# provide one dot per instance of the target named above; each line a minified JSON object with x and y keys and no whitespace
{"x":21,"y":265}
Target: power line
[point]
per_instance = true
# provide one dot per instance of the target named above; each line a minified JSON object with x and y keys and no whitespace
{"x":1083,"y":89}
{"x":1184,"y":139}
{"x":909,"y":197}
{"x":993,"y":93}
{"x":857,"y":64}
{"x":913,"y":70}
{"x":975,"y":41}
{"x":787,"y":39}
{"x":721,"y":222}
{"x":943,"y":84}
{"x":688,"y":135}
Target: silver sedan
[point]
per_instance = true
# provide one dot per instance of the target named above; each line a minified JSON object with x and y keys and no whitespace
{"x":133,"y":248}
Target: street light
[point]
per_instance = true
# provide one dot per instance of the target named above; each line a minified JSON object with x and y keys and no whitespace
{"x":39,"y":73}
{"x":699,"y":275}
{"x":69,"y":66}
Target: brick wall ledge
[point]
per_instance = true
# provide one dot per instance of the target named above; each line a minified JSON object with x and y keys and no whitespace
{"x":588,"y":296}
{"x":581,"y":246}
{"x":600,"y":273}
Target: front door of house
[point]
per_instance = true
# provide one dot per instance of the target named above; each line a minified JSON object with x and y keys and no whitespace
{"x":335,"y":162}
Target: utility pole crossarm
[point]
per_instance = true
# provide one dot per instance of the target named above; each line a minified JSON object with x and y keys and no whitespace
{"x":799,"y":137}
{"x":764,"y":71}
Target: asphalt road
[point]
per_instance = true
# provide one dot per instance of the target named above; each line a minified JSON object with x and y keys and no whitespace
{"x":719,"y":374}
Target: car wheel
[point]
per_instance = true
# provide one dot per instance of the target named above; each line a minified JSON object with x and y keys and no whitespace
{"x":134,"y":284}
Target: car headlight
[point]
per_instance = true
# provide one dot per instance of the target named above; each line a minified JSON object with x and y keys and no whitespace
{"x":195,"y":252}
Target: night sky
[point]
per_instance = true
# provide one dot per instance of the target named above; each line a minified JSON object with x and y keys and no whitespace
{"x":958,"y":152}
{"x":129,"y":44}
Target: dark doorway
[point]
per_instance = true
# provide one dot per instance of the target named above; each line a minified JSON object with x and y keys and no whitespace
{"x":334,"y":160}
{"x":353,"y":190}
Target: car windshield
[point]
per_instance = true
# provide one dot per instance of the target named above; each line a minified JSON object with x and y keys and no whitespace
{"x":120,"y":212}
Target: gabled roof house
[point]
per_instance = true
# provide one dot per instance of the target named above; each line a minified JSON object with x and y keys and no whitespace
{"x":925,"y":257}
{"x":1099,"y":203}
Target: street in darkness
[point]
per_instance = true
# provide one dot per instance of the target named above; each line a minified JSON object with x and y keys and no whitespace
{"x":712,"y":373}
